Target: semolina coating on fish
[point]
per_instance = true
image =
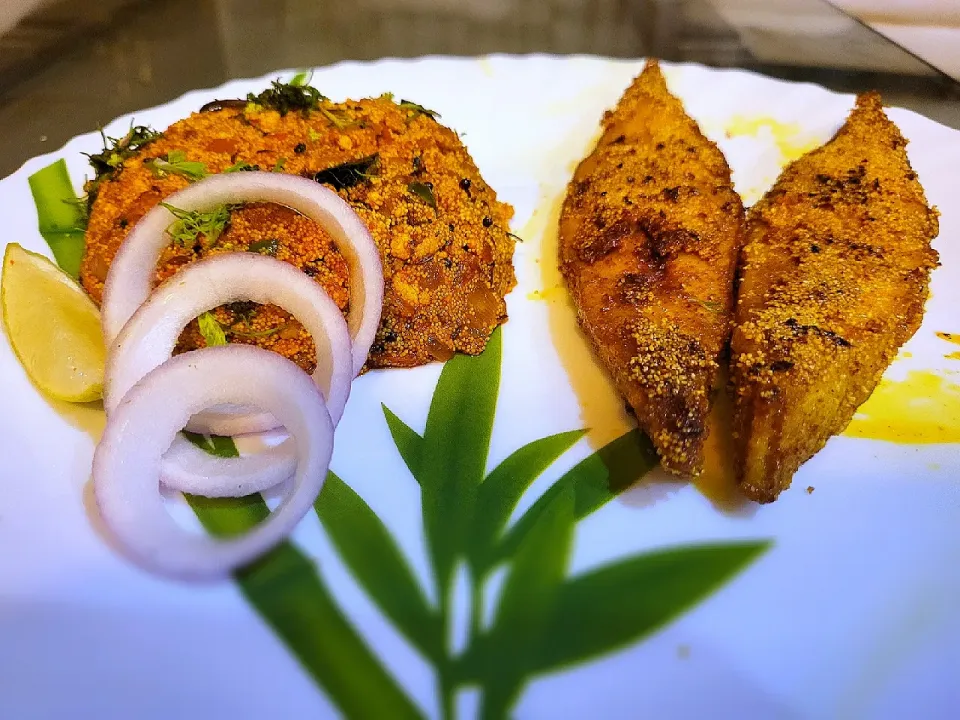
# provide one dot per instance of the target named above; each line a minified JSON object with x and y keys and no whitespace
{"x":650,"y":231}
{"x":833,"y":280}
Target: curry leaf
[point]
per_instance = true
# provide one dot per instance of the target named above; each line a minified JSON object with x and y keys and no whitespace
{"x":616,"y":605}
{"x":371,"y":553}
{"x":349,"y":173}
{"x":454,"y":456}
{"x":424,"y":192}
{"x":527,"y":605}
{"x":284,"y":587}
{"x":408,"y":441}
{"x":503,"y":487}
{"x":595,"y":481}
{"x":417,"y":109}
{"x":59,"y":218}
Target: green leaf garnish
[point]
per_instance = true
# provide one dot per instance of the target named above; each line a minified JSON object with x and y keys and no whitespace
{"x":191,"y":224}
{"x":268,"y":246}
{"x":211,"y":330}
{"x":284,"y":97}
{"x":176,"y":163}
{"x":424,"y":192}
{"x":60,"y":219}
{"x":108,"y":161}
{"x":302,"y":78}
{"x":241,"y":166}
{"x":349,"y":173}
{"x":417,"y":109}
{"x":338,"y":119}
{"x":217,"y":445}
{"x":278,"y":166}
{"x":116,"y":150}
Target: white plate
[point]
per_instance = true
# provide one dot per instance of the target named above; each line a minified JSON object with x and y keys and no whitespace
{"x":852,"y":613}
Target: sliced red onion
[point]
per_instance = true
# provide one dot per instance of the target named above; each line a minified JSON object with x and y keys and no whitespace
{"x":189,"y":469}
{"x":127,"y":461}
{"x":132,"y":271}
{"x":150,"y":335}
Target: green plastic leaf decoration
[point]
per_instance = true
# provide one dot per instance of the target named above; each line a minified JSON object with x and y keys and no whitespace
{"x":285,"y":589}
{"x":454,"y":456}
{"x":217,"y":445}
{"x":527,"y":605}
{"x":615,"y":606}
{"x":408,"y":441}
{"x":60,"y":218}
{"x":595,"y":481}
{"x":371,"y":553}
{"x":503,"y":487}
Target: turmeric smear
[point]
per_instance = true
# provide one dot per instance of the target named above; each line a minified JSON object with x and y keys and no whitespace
{"x":784,"y":135}
{"x":923,"y":408}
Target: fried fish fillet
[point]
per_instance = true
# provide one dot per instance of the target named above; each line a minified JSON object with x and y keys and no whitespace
{"x":650,"y":232}
{"x":833,"y":279}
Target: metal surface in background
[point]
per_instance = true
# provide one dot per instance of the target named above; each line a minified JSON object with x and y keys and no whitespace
{"x":72,"y":66}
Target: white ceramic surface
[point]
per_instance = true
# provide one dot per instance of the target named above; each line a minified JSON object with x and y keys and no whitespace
{"x":852,"y":613}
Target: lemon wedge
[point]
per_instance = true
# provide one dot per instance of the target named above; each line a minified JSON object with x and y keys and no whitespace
{"x":53,"y":327}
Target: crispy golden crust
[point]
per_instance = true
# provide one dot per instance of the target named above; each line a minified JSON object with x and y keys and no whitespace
{"x":649,"y":236}
{"x":447,"y":269}
{"x":833,"y":279}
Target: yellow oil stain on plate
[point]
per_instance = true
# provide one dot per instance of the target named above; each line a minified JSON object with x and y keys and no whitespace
{"x":786,"y":136}
{"x":923,"y":408}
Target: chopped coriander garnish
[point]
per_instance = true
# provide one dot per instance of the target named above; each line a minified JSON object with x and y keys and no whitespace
{"x":349,"y":173}
{"x":418,"y":109}
{"x":387,"y":96}
{"x":301,"y":78}
{"x":269,"y":246}
{"x":211,"y":330}
{"x":241,"y":166}
{"x":116,"y":150}
{"x":284,"y":97}
{"x":313,"y":134}
{"x":108,"y":161}
{"x":341,"y":122}
{"x":190,"y":224}
{"x":176,"y":163}
{"x":424,"y":192}
{"x":278,"y":166}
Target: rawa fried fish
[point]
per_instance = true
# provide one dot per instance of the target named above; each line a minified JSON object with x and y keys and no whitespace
{"x":649,"y":236}
{"x":833,"y":279}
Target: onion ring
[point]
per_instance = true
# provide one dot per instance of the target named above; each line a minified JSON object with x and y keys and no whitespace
{"x":126,"y":464}
{"x":131,"y":273}
{"x":150,"y":335}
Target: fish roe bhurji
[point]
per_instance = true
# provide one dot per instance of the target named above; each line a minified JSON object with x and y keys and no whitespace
{"x":442,"y":234}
